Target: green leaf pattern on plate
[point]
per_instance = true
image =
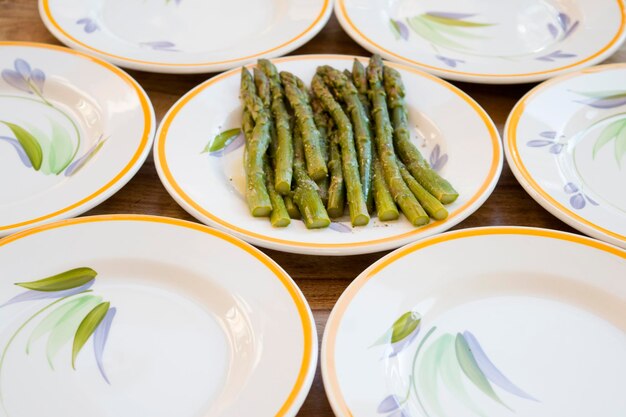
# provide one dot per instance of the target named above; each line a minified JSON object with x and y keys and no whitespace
{"x":446,"y":30}
{"x":49,"y":153}
{"x":221,"y":140}
{"x":87,"y":327}
{"x":73,"y":278}
{"x":74,"y":314}
{"x":447,"y":362}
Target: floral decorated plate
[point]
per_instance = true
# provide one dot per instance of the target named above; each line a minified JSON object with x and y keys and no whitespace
{"x":146,"y":316}
{"x":73,"y":130}
{"x":566,"y":144}
{"x":184,"y":36}
{"x":499,"y":321}
{"x":494,"y":42}
{"x":207,"y":178}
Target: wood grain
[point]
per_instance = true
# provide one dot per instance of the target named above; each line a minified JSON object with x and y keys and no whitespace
{"x":322,"y":279}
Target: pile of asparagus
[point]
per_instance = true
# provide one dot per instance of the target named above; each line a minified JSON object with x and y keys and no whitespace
{"x":347,"y":138}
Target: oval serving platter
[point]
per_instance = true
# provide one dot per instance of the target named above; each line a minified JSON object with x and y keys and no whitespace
{"x":451,"y":130}
{"x":184,"y":36}
{"x":573,"y":161}
{"x":132,"y":315}
{"x":74,"y":129}
{"x":497,"y":321}
{"x":492,"y":42}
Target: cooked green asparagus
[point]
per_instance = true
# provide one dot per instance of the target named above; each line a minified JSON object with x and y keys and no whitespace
{"x":346,"y":91}
{"x":279,"y":217}
{"x":305,"y":196}
{"x":433,"y":207}
{"x":283,"y":158}
{"x":356,"y":201}
{"x":256,"y":191}
{"x":336,"y":189}
{"x":292,"y":208}
{"x":315,"y":164}
{"x":385,"y":207}
{"x":410,"y":155}
{"x":359,"y":77}
{"x":384,"y":144}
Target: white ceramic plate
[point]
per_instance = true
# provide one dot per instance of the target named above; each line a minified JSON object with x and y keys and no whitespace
{"x":197,"y":324}
{"x":184,"y":36}
{"x":496,"y":42}
{"x":566,"y":144}
{"x":451,"y":130}
{"x":73,"y":130}
{"x":498,"y":322}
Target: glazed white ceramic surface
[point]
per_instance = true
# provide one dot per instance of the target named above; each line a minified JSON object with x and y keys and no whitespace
{"x":448,"y":127}
{"x":502,"y":321}
{"x":74,"y":129}
{"x":203,"y":324}
{"x":485,"y":41}
{"x":566,"y":144}
{"x":184,"y":36}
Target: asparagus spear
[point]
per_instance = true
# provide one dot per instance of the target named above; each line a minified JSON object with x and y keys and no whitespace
{"x":256,"y":192}
{"x":356,"y":201}
{"x":385,"y":207}
{"x":305,"y":196}
{"x":322,"y":123}
{"x":316,"y":167}
{"x":347,"y":92}
{"x":359,"y":78}
{"x":433,"y":207}
{"x":262,"y":84}
{"x":398,"y":188}
{"x":410,"y":155}
{"x":336,"y":189}
{"x":292,"y":209}
{"x":283,"y":158}
{"x":279,"y":217}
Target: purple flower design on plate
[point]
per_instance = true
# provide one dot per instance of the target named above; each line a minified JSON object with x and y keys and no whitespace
{"x":100,"y":337}
{"x":451,"y":62}
{"x":19,"y":149}
{"x":399,"y":29}
{"x":89,"y":25}
{"x":604,"y":99}
{"x":391,"y":405}
{"x":555,"y":55}
{"x":549,"y":139}
{"x":339,"y":227}
{"x":25,"y":78}
{"x":451,"y":15}
{"x":437,"y":160}
{"x":80,"y":162}
{"x":577,"y":199}
{"x":32,"y":295}
{"x":166,"y":46}
{"x":565,"y":25}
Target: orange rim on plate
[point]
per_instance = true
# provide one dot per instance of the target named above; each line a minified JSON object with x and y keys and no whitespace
{"x":145,"y":137}
{"x":329,"y":371}
{"x":342,"y":14}
{"x":45,"y":10}
{"x":161,"y":157}
{"x":516,"y":161}
{"x":285,"y":280}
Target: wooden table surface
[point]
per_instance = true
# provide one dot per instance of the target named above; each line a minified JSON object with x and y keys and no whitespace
{"x":322,"y":279}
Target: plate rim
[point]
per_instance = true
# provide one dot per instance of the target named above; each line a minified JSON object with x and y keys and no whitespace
{"x":614,"y":44}
{"x":530,"y":185}
{"x":119,"y":179}
{"x":327,"y":361}
{"x":184,"y":68}
{"x":310,"y":352}
{"x":329,"y":249}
